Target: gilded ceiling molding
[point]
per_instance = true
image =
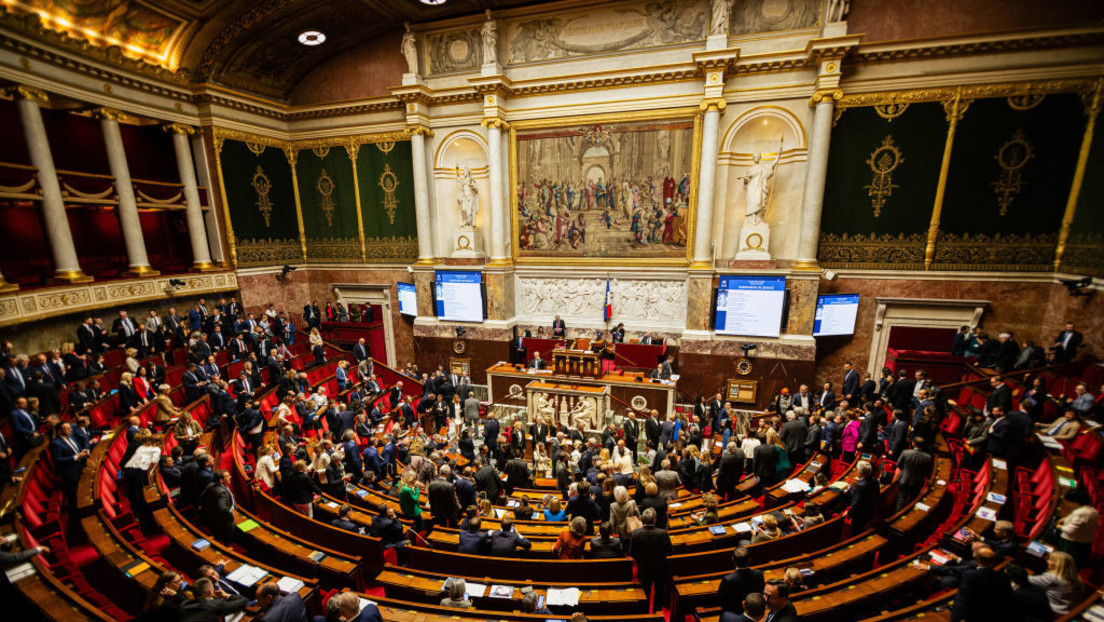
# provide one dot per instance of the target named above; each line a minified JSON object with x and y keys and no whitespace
{"x":230,"y":32}
{"x":250,"y":137}
{"x":23,"y":91}
{"x":179,"y":128}
{"x":495,"y":122}
{"x":716,"y":103}
{"x":883,"y":52}
{"x":383,"y":106}
{"x":976,"y":91}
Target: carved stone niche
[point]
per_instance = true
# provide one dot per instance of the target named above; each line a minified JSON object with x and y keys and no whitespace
{"x":921,"y":312}
{"x":567,"y":404}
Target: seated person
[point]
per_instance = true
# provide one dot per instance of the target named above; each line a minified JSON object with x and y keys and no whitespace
{"x":537,"y":362}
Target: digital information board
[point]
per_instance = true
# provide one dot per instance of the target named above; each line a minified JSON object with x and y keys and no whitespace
{"x":835,"y":315}
{"x":750,"y":307}
{"x":459,"y":296}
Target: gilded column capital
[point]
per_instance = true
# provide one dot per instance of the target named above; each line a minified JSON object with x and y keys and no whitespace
{"x":292,"y":157}
{"x":714,"y":103}
{"x":353,"y":150}
{"x":22,"y":91}
{"x":956,"y":107}
{"x":422,"y":130}
{"x":834,"y":94}
{"x":495,"y":122}
{"x":179,"y":128}
{"x":111,"y":114}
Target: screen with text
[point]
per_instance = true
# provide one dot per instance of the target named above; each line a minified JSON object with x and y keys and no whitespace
{"x":459,"y":296}
{"x":750,"y":307}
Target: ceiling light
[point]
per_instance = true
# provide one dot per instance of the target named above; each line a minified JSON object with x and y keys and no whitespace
{"x":312,"y":37}
{"x":433,"y":2}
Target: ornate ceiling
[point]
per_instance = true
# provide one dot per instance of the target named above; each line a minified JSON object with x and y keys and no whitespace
{"x":249,"y":45}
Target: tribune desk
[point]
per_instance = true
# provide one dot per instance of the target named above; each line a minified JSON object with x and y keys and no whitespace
{"x":506,"y":384}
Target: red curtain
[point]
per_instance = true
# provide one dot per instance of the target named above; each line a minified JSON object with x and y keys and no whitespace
{"x":13,"y":147}
{"x":921,"y":338}
{"x":26,"y":256}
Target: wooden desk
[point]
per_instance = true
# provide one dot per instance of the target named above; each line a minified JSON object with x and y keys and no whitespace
{"x":394,"y":610}
{"x":597,"y":598}
{"x":504,"y":379}
{"x":503,"y":568}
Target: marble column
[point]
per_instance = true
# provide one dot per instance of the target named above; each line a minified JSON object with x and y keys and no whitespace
{"x":54,"y":219}
{"x":426,"y":254}
{"x":816,"y":172}
{"x":197,"y":232}
{"x":707,"y":181}
{"x":507,"y":200}
{"x":494,"y":145}
{"x":127,"y":209}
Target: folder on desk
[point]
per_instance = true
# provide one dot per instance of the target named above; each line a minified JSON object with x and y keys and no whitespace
{"x":200,"y":544}
{"x":247,"y":525}
{"x":289,"y":585}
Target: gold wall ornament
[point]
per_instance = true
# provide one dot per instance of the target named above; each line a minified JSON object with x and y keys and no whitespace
{"x":954,"y":109}
{"x":386,"y":146}
{"x":882,"y":161}
{"x":321,"y":152}
{"x":999,"y":252}
{"x":877,"y":252}
{"x":1025,"y":101}
{"x":386,"y":250}
{"x":263,"y":186}
{"x":890,"y":111}
{"x":1012,"y":157}
{"x":256,"y":148}
{"x":325,"y":186}
{"x":267,"y":252}
{"x":326,"y":250}
{"x":389,"y":182}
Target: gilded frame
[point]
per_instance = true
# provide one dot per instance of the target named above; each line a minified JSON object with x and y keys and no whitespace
{"x":683,"y":114}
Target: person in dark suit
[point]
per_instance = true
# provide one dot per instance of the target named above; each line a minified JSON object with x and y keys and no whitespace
{"x":209,"y":605}
{"x":539,"y":431}
{"x":517,"y":349}
{"x":86,"y":336}
{"x":537,"y":362}
{"x":193,"y":383}
{"x":988,"y":351}
{"x":1007,"y":352}
{"x":142,"y":340}
{"x":1001,"y":396}
{"x":737,"y":585}
{"x":360,"y":351}
{"x":49,"y":401}
{"x":491,"y":429}
{"x":913,"y":468}
{"x":984,"y":593}
{"x":517,"y":475}
{"x":506,"y":541}
{"x":827,"y":399}
{"x":348,"y":606}
{"x":486,"y":479}
{"x":764,"y":463}
{"x":216,"y":507}
{"x":277,"y":608}
{"x":958,"y":346}
{"x":68,"y":460}
{"x":123,"y":327}
{"x":1066,"y":344}
{"x":793,"y":435}
{"x":631,"y":432}
{"x":650,"y":546}
{"x":472,"y":540}
{"x":395,"y":396}
{"x":777,"y":594}
{"x":442,"y":499}
{"x":897,"y":434}
{"x":1002,"y":434}
{"x":868,"y":390}
{"x":850,"y":383}
{"x":864,"y":497}
{"x":559,"y":329}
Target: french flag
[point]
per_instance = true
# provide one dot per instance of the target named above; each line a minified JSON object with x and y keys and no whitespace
{"x":607,"y":311}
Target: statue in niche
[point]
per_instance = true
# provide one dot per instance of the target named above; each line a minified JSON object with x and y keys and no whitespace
{"x":718,"y":24}
{"x":467,"y":196}
{"x":757,"y":181}
{"x":490,"y":41}
{"x":410,"y":50}
{"x":584,"y":412}
{"x":837,"y":10}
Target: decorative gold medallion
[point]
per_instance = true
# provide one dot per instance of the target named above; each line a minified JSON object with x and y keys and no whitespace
{"x":256,"y":148}
{"x":385,"y":146}
{"x":882,"y":161}
{"x":743,"y":367}
{"x":325,"y":187}
{"x":1026,"y":101}
{"x":753,"y":242}
{"x":263,"y":187}
{"x":1012,"y":157}
{"x":321,"y":152}
{"x":890,"y":111}
{"x":459,"y":346}
{"x":389,"y":182}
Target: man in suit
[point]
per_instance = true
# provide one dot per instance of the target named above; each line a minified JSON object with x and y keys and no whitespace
{"x":913,"y":468}
{"x":216,"y":507}
{"x":984,"y":593}
{"x":631,"y":433}
{"x":86,"y":336}
{"x":868,"y":390}
{"x":277,"y":608}
{"x":491,"y":429}
{"x":442,"y":500}
{"x":486,"y":479}
{"x":1065,"y":429}
{"x":195,"y":318}
{"x":506,"y":541}
{"x":342,"y":521}
{"x":652,"y":428}
{"x":539,"y":431}
{"x":473,"y":541}
{"x":730,"y":471}
{"x":793,"y":435}
{"x":201,"y":350}
{"x":802,"y":401}
{"x":395,"y":396}
{"x":650,"y":546}
{"x":348,"y":607}
{"x":537,"y":362}
{"x":646,"y":340}
{"x":360,"y":351}
{"x":517,"y":349}
{"x":68,"y":460}
{"x":517,"y":475}
{"x":779,"y":608}
{"x":49,"y":402}
{"x":216,"y":339}
{"x":988,"y":351}
{"x":827,"y":399}
{"x":900,"y":393}
{"x":194,"y":477}
{"x":1000,"y":397}
{"x":123,"y":327}
{"x":736,"y":586}
{"x":239,"y":348}
{"x":209,"y":605}
{"x":193,"y":383}
{"x":850,"y":383}
{"x":668,"y":367}
{"x":24,"y":428}
{"x":559,"y":328}
{"x":1002,"y":434}
{"x":864,"y":497}
{"x":1066,"y":344}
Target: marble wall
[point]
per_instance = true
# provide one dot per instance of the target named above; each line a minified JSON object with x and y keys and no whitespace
{"x":884,"y":20}
{"x":1036,"y":311}
{"x":362,"y":72}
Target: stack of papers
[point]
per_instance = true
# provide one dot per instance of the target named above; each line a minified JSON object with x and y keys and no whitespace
{"x":566,"y":598}
{"x":923,"y":507}
{"x":475,"y":590}
{"x":501,"y":591}
{"x":1039,"y":549}
{"x":742,"y":528}
{"x":289,"y":585}
{"x":1067,"y":482}
{"x":995,"y":498}
{"x":717,"y":530}
{"x":987,"y":514}
{"x":1000,"y":464}
{"x":22,"y":571}
{"x":200,"y":544}
{"x":796,"y":486}
{"x":840,"y":485}
{"x":1048,"y":441}
{"x":246,"y":575}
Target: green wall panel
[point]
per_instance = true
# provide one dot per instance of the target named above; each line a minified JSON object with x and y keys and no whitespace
{"x":258,"y":184}
{"x":386,"y":176}
{"x":328,"y":198}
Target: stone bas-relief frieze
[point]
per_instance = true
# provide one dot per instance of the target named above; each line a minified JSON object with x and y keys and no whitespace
{"x":631,"y":299}
{"x":458,"y":50}
{"x":612,"y":29}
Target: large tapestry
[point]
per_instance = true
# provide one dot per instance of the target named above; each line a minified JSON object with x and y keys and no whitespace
{"x":328,"y":200}
{"x":386,"y":174}
{"x":260,"y":200}
{"x":604,"y":190}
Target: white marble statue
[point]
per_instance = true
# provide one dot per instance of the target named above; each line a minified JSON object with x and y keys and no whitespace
{"x":757,"y":181}
{"x":490,"y":41}
{"x":410,"y":51}
{"x":718,"y":24}
{"x":467,"y":196}
{"x":837,"y":10}
{"x":584,"y":412}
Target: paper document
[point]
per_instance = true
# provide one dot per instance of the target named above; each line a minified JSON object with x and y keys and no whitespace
{"x":566,"y":597}
{"x":289,"y":585}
